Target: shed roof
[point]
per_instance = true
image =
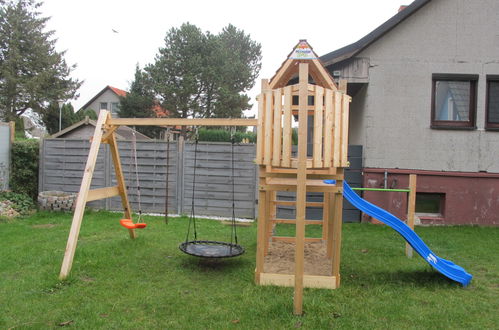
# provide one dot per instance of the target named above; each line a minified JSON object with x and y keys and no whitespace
{"x":122,"y":132}
{"x":356,"y":47}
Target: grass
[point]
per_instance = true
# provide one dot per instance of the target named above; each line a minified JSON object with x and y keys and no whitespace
{"x":148,"y":283}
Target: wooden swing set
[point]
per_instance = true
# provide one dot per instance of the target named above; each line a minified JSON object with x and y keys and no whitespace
{"x":315,"y":96}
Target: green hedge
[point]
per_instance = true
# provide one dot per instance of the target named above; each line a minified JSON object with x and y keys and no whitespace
{"x":220,"y":135}
{"x":24,"y":174}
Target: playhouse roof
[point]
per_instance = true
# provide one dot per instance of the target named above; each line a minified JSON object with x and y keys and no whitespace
{"x":302,"y":52}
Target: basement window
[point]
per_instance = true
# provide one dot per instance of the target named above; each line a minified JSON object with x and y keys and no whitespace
{"x":430,"y":204}
{"x":492,"y":107}
{"x":453,"y":102}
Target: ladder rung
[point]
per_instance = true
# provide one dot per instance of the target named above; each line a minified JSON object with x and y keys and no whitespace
{"x":292,"y":221}
{"x":293,"y":239}
{"x":292,"y":203}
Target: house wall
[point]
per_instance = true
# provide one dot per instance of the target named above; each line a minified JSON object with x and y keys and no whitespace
{"x":391,"y":116}
{"x":468,"y":198}
{"x":108,"y":96}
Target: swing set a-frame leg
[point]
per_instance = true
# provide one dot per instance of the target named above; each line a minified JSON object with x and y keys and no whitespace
{"x":83,"y":195}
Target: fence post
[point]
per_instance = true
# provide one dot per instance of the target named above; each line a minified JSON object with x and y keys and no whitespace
{"x":411,"y":209}
{"x":180,"y":174}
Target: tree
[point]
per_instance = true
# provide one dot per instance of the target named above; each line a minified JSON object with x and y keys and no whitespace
{"x":50,"y":117}
{"x":32,"y":73}
{"x":199,"y":74}
{"x":237,"y":71}
{"x":177,"y":71}
{"x":140,"y":102}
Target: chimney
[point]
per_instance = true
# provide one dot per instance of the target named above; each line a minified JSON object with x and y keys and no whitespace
{"x":402,"y":8}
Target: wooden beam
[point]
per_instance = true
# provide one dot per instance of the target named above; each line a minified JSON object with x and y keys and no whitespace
{"x":182,"y":122}
{"x":269,"y":118}
{"x":108,"y":133}
{"x":81,"y":200}
{"x":281,"y":77}
{"x":118,"y":170}
{"x":294,"y":239}
{"x":261,"y":226}
{"x":301,"y":189}
{"x":318,"y":121}
{"x":292,"y":221}
{"x":337,"y":129}
{"x":325,"y":75}
{"x":12,"y":126}
{"x":344,"y":129}
{"x":411,"y":210}
{"x":337,"y":224}
{"x":277,"y":133}
{"x":287,"y":128}
{"x":328,"y":128}
{"x":101,"y":193}
{"x":293,"y":203}
{"x":309,"y":281}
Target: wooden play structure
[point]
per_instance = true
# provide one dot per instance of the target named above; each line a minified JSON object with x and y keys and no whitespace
{"x":301,"y":91}
{"x":315,"y":97}
{"x":105,"y":133}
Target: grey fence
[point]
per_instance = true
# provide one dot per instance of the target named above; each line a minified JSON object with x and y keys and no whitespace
{"x":4,"y":155}
{"x":62,"y":162}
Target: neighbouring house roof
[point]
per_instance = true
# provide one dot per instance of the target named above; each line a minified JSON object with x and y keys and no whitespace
{"x":117,"y":91}
{"x":122,"y":133}
{"x":356,"y":47}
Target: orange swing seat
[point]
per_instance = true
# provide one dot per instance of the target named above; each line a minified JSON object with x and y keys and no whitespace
{"x":128,"y":223}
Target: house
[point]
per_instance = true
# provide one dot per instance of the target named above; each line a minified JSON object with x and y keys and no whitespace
{"x":425,"y":88}
{"x":108,"y":99}
{"x":85,"y":129}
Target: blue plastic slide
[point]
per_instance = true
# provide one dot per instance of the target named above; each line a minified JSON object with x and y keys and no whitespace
{"x":448,"y":268}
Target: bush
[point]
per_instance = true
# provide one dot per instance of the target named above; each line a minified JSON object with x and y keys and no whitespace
{"x":221,"y":135}
{"x":24,"y":174}
{"x":21,"y":203}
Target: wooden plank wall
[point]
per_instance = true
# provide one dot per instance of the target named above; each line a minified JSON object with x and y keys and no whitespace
{"x":328,"y":128}
{"x":62,"y":162}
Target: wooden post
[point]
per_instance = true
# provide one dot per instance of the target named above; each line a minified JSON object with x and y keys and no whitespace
{"x":301,"y":189}
{"x":337,"y":224}
{"x":12,"y":126}
{"x":411,"y":210}
{"x":81,"y":200}
{"x":261,"y":226}
{"x":287,"y":129}
{"x":113,"y":146}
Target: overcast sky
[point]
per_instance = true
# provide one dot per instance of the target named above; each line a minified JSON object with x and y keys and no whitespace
{"x":84,"y":28}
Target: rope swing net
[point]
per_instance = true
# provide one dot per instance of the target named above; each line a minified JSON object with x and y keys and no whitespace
{"x":207,"y":248}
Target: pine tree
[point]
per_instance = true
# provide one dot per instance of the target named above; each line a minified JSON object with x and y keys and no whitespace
{"x":32,"y":73}
{"x":140,"y":102}
{"x":199,"y":74}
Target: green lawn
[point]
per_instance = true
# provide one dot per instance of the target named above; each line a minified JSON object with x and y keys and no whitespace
{"x":148,"y":283}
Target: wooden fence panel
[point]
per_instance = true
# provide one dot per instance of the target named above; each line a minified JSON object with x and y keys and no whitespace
{"x":62,"y":163}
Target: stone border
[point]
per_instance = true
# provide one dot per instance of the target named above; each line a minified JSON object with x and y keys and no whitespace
{"x":56,"y":200}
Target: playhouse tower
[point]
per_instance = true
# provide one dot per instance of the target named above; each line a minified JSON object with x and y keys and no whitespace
{"x":301,"y":90}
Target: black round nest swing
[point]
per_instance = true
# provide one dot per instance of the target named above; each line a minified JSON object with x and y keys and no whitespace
{"x":206,"y":248}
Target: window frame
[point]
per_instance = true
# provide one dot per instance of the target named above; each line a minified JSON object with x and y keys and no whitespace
{"x":488,"y":124}
{"x":100,"y":105}
{"x":470,"y":124}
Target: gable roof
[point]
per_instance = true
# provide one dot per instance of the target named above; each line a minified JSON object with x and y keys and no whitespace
{"x":302,"y":52}
{"x":122,"y":132}
{"x":117,"y":91}
{"x":356,"y":47}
